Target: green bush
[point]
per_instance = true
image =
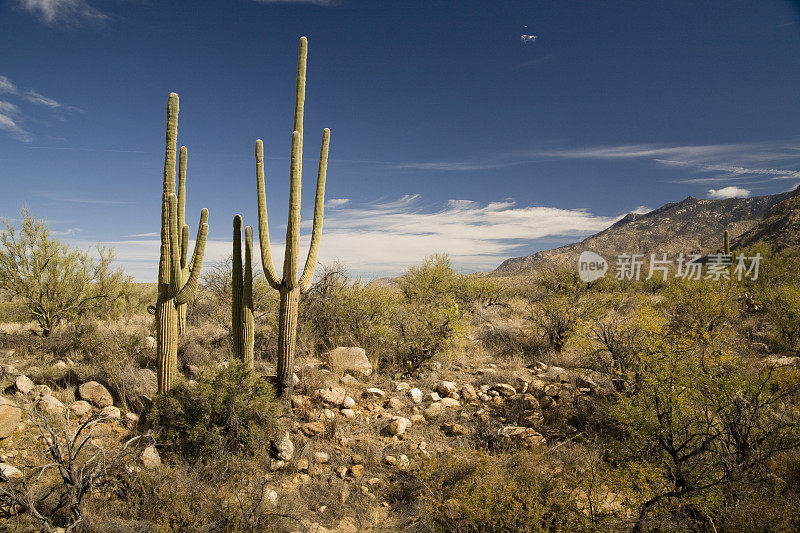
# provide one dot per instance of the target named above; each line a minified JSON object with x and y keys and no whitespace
{"x":229,"y":410}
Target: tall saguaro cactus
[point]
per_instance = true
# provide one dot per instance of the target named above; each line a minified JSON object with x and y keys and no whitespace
{"x":291,"y":285}
{"x":242,"y":326}
{"x":177,"y":278}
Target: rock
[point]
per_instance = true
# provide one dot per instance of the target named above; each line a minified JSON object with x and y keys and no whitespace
{"x":11,"y":472}
{"x":529,"y":402}
{"x":312,"y":429}
{"x":95,"y":394}
{"x":327,"y":413}
{"x":298,"y":401}
{"x":302,"y":465}
{"x":468,"y":393}
{"x":552,"y":390}
{"x":61,"y":366}
{"x":357,"y":471}
{"x":434,"y":396}
{"x":349,"y":381}
{"x":111,"y":412}
{"x":321,"y":457}
{"x":150,"y":343}
{"x":50,"y":406}
{"x":530,"y":418}
{"x":403,"y":462}
{"x":446,"y":388}
{"x":10,"y":370}
{"x":194,"y":370}
{"x":283,"y":448}
{"x":455,"y":430}
{"x":521,"y":436}
{"x":333,"y":395}
{"x":271,"y":496}
{"x":398,"y":426}
{"x":416,"y":395}
{"x":348,"y":402}
{"x":80,"y":409}
{"x":417,"y":419}
{"x":395,"y":403}
{"x":557,"y":374}
{"x":348,"y":413}
{"x":776,"y":360}
{"x":450,"y":402}
{"x":350,"y":359}
{"x":390,"y":460}
{"x":10,"y":415}
{"x":133,"y":418}
{"x":150,"y":458}
{"x":521,"y":384}
{"x":276,"y":464}
{"x":41,"y":390}
{"x":23,"y":384}
{"x":433,"y":410}
{"x":401,"y":386}
{"x":342,"y":471}
{"x":504,"y":389}
{"x":374,"y":393}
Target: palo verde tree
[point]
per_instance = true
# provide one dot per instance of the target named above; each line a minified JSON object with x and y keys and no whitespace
{"x":56,"y":282}
{"x":292,"y":285}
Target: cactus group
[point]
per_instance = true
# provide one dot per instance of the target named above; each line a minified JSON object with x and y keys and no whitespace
{"x":177,"y":277}
{"x":242,"y":289}
{"x":291,"y":285}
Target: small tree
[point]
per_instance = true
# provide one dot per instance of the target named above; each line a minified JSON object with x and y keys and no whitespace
{"x":55,"y":281}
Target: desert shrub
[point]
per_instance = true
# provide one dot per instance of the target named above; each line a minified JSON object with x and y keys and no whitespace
{"x":505,"y":493}
{"x":702,"y":310}
{"x":57,"y":283}
{"x":479,"y":291}
{"x":782,"y":307}
{"x":230,"y":410}
{"x":431,"y":280}
{"x":557,"y":317}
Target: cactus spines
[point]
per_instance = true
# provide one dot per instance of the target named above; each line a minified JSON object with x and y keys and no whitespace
{"x":727,"y":248}
{"x":292,"y":284}
{"x":242,"y":329}
{"x":177,"y":279}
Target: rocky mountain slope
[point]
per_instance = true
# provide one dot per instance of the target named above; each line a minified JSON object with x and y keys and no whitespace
{"x":779,"y":228}
{"x":692,"y":225}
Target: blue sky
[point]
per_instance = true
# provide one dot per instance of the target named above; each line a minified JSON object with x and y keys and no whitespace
{"x":450,"y":130}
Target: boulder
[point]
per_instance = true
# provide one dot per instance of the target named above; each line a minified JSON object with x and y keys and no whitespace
{"x":450,"y":402}
{"x":10,"y":414}
{"x":41,"y":390}
{"x":333,"y":395}
{"x":504,"y":389}
{"x":111,"y":412}
{"x":283,"y":448}
{"x":521,"y":436}
{"x":455,"y":430}
{"x":321,"y":457}
{"x":350,"y":359}
{"x":312,"y":429}
{"x":433,"y":410}
{"x":349,"y":381}
{"x":446,"y":388}
{"x":11,"y":472}
{"x":150,"y":458}
{"x":374,"y":393}
{"x":80,"y":409}
{"x":23,"y":384}
{"x":468,"y":393}
{"x":348,"y":403}
{"x":348,"y":413}
{"x":50,"y":406}
{"x":150,"y":342}
{"x":95,"y":394}
{"x":398,"y":426}
{"x":416,"y":395}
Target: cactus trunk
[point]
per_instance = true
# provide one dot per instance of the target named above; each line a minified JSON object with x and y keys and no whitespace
{"x":242,"y":331}
{"x":287,"y":339}
{"x":177,"y":280}
{"x":727,"y":248}
{"x":248,"y":329}
{"x":292,"y":285}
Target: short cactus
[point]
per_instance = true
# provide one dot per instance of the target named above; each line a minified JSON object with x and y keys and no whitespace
{"x":727,"y":246}
{"x":242,"y":289}
{"x":291,"y":286}
{"x":177,"y":278}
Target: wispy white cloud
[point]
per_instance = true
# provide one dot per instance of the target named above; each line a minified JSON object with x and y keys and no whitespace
{"x":16,"y":131}
{"x":336,"y":202}
{"x":6,"y":86}
{"x":59,"y":197}
{"x":63,"y":12}
{"x":386,"y":237}
{"x":528,"y":38}
{"x":728,"y":192}
{"x":40,"y":99}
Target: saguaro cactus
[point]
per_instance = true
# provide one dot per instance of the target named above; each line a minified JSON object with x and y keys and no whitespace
{"x":727,"y":248}
{"x":291,"y":285}
{"x":177,"y":278}
{"x":242,"y":289}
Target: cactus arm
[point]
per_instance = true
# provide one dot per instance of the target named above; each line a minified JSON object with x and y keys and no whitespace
{"x":188,"y":290}
{"x":236,"y":288}
{"x":292,"y":253}
{"x":248,"y":331}
{"x":174,"y":252}
{"x":203,"y":220}
{"x":300,"y":92}
{"x":184,"y":245}
{"x":182,"y":155}
{"x":319,"y":207}
{"x":263,"y":227}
